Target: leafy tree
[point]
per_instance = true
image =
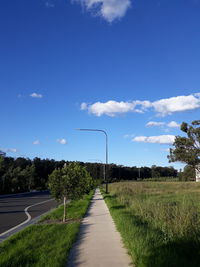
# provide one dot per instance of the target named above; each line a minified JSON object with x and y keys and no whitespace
{"x":187,"y":149}
{"x":188,"y":174}
{"x":155,"y":171}
{"x":28,"y":175}
{"x":22,"y":162}
{"x":145,"y":172}
{"x":70,"y":182}
{"x":6,"y":164}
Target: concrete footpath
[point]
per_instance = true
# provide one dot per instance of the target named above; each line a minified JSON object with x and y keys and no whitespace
{"x":99,"y":244}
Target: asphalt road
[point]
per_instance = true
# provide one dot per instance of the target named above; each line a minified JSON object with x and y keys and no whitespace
{"x":12,"y":208}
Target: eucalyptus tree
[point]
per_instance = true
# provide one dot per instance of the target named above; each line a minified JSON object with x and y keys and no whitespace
{"x":187,"y":149}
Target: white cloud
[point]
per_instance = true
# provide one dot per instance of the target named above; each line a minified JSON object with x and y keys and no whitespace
{"x":35,"y":95}
{"x":173,"y":124}
{"x":154,"y":123}
{"x":110,"y":108}
{"x":62,"y":141}
{"x":109,"y":10}
{"x":7,"y":150}
{"x":36,"y":142}
{"x":176,"y":104}
{"x":162,"y":107}
{"x":160,"y":139}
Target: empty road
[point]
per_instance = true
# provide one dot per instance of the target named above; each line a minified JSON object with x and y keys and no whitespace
{"x":16,"y":209}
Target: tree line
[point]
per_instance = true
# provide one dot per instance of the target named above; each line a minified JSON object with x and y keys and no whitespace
{"x":23,"y":174}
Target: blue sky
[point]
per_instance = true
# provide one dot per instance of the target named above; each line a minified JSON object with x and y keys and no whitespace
{"x":131,"y":68}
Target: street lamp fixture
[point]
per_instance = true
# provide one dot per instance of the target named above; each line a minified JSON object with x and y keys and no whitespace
{"x":106,"y":148}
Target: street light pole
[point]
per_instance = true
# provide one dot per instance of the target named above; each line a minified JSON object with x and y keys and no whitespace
{"x":106,"y":164}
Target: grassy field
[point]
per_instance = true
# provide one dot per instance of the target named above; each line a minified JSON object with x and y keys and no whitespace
{"x":47,"y":243}
{"x":159,"y":221}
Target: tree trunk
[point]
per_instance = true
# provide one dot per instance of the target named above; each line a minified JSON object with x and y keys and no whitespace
{"x":64,"y":212}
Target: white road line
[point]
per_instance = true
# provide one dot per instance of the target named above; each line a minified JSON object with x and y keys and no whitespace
{"x":27,"y":220}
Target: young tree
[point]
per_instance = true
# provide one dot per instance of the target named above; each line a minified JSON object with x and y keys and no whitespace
{"x":70,"y":182}
{"x":187,"y":149}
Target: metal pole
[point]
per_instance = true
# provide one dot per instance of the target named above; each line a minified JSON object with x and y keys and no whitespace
{"x":106,"y":164}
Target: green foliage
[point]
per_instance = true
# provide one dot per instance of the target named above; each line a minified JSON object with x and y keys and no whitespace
{"x":188,"y":174}
{"x":187,"y":149}
{"x":120,"y":172}
{"x":55,"y":184}
{"x":72,"y":182}
{"x":22,"y":174}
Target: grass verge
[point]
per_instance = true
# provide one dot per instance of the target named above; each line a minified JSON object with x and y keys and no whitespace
{"x":48,"y":243}
{"x":152,"y":223}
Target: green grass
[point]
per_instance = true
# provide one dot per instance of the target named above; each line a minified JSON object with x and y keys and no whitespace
{"x":76,"y":209}
{"x":162,"y":179}
{"x":45,"y":244}
{"x":159,"y":222}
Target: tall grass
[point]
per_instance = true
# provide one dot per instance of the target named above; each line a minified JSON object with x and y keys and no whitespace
{"x":159,"y":222}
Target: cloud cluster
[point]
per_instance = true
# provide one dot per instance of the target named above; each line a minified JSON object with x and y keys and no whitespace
{"x":160,"y":139}
{"x":109,"y":10}
{"x":35,"y":95}
{"x":62,"y":141}
{"x":162,"y":107}
{"x":171,"y":124}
